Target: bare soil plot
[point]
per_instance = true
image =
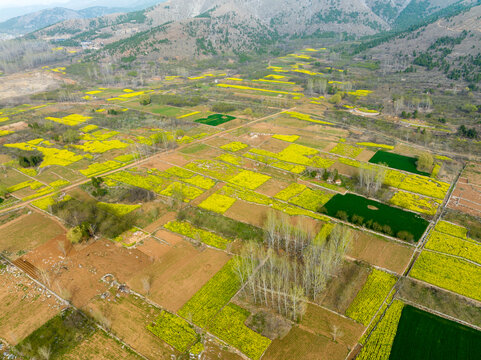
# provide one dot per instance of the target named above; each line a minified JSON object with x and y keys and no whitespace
{"x":176,"y":276}
{"x":329,"y":146}
{"x":24,"y":306}
{"x":100,"y":346}
{"x":305,"y":345}
{"x":246,"y":212}
{"x":18,"y":126}
{"x":467,"y":195}
{"x":380,"y":252}
{"x":330,"y":324}
{"x":153,"y":248}
{"x":271,"y":187}
{"x":28,"y":232}
{"x":78,"y":275}
{"x":344,"y":286}
{"x":365,"y":155}
{"x":213,"y":350}
{"x":128,"y":317}
{"x":163,"y":160}
{"x":22,"y":84}
{"x":344,"y":169}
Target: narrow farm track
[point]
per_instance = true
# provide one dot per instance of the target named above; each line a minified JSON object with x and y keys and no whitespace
{"x":147,"y":159}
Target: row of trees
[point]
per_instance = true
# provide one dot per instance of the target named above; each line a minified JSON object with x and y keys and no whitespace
{"x":291,"y":266}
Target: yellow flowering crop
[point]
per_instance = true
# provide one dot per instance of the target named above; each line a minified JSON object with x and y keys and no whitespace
{"x":234,"y":146}
{"x":258,"y":89}
{"x":288,"y":138}
{"x":249,"y":179}
{"x":217,"y":203}
{"x":70,"y":120}
{"x":189,"y":114}
{"x":381,"y":146}
{"x":306,"y":117}
{"x":415,"y":202}
{"x":371,"y":296}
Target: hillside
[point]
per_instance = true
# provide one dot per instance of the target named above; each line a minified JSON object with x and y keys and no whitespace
{"x":449,"y":45}
{"x":180,"y":28}
{"x":43,"y":18}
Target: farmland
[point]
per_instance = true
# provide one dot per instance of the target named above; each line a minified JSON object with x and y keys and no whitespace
{"x":237,"y":213}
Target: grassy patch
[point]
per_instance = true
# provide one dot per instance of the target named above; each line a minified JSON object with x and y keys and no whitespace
{"x":375,"y":215}
{"x":421,"y":335}
{"x":192,"y":149}
{"x":215,"y":119}
{"x":396,"y":161}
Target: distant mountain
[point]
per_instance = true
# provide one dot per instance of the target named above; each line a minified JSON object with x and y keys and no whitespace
{"x":40,"y":19}
{"x":189,"y":27}
{"x":450,"y":45}
{"x":36,"y":20}
{"x":11,"y":10}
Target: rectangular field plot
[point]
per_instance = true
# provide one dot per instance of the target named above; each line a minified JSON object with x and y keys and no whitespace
{"x":424,"y":336}
{"x":396,"y":161}
{"x":178,"y":273}
{"x":100,"y":346}
{"x":367,"y":302}
{"x":215,"y":119}
{"x":323,"y":322}
{"x":24,"y":306}
{"x":380,"y":252}
{"x":303,"y":344}
{"x":129,"y":317}
{"x":449,"y":272}
{"x":27,"y":232}
{"x":378,"y":216}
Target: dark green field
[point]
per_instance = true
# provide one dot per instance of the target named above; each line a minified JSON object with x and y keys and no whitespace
{"x":396,"y":161}
{"x":375,"y":215}
{"x":424,"y":336}
{"x":215,"y":119}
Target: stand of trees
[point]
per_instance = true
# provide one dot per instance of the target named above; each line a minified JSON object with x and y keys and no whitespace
{"x":371,"y":179}
{"x":291,"y":266}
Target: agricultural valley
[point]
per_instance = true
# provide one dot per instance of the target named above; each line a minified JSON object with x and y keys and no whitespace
{"x":233,"y":182}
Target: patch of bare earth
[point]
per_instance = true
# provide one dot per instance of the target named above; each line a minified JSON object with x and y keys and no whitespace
{"x":28,"y":232}
{"x":24,"y":305}
{"x":327,"y":323}
{"x":380,"y":252}
{"x":344,"y":286}
{"x":24,"y":84}
{"x":177,"y":275}
{"x":77,"y":274}
{"x":305,"y":345}
{"x":128,"y":317}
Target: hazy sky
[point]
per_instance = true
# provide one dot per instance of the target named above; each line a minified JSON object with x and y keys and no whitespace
{"x":18,"y":3}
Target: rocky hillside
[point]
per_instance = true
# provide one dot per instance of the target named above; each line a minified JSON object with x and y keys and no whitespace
{"x":190,"y":27}
{"x":450,"y":45}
